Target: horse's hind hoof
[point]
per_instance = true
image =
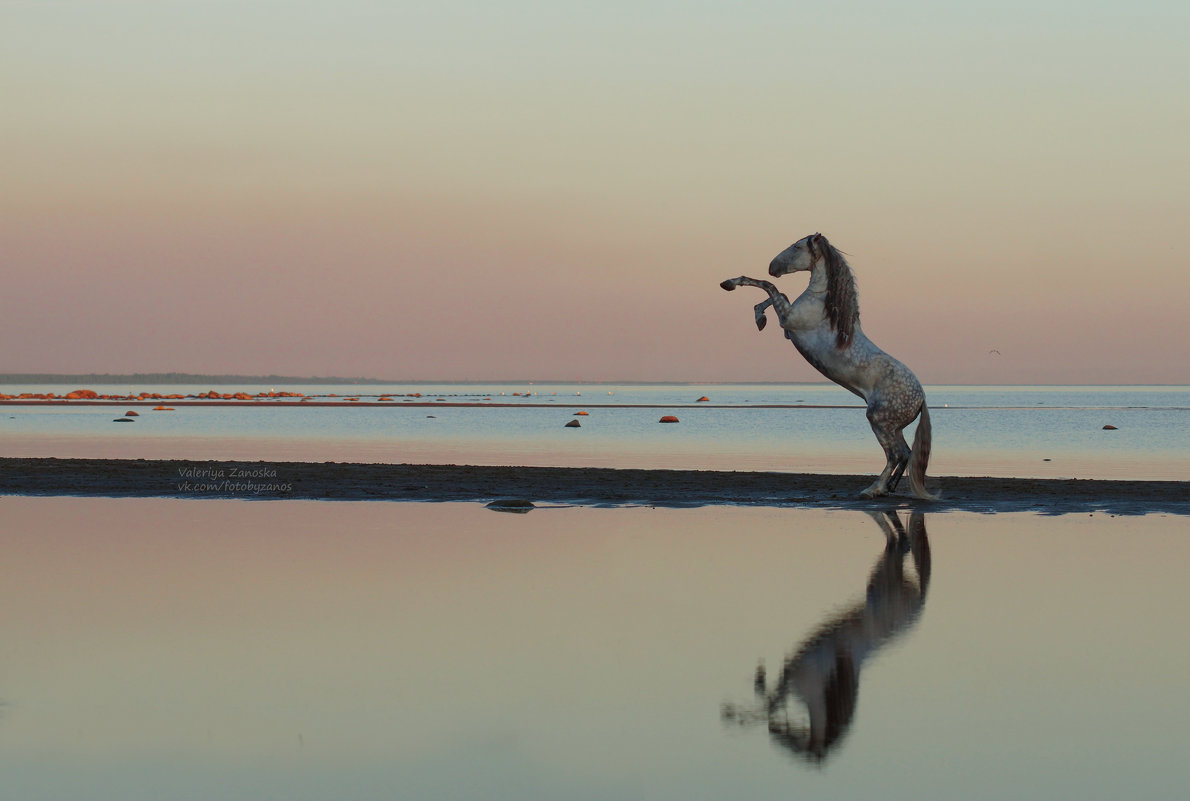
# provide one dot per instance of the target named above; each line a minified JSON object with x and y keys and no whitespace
{"x":729,"y":285}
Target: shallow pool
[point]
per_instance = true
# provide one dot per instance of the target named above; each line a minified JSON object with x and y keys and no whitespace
{"x":162,"y":648}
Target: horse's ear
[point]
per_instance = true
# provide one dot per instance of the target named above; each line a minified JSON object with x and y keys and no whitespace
{"x":816,"y":251}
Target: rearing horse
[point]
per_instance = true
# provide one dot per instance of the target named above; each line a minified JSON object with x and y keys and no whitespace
{"x":823,"y":324}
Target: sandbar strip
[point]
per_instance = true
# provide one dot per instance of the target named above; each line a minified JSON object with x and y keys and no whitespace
{"x":144,"y":478}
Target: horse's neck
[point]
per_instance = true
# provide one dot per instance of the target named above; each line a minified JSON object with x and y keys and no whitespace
{"x":817,"y":287}
{"x":809,"y":307}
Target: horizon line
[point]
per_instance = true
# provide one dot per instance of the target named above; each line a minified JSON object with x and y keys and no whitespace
{"x":219,"y":378}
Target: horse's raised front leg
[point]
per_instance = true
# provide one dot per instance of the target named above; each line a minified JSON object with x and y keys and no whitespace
{"x":743,"y":280}
{"x":777,"y":299}
{"x":761,"y":320}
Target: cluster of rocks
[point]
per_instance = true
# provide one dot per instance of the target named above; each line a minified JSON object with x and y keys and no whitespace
{"x":213,"y":395}
{"x":90,"y":394}
{"x":669,"y":418}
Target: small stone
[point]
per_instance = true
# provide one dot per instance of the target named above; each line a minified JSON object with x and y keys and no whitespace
{"x":581,"y":414}
{"x":123,"y":420}
{"x":703,"y":399}
{"x":1110,"y":427}
{"x":132,"y":414}
{"x":669,"y":418}
{"x":574,"y":424}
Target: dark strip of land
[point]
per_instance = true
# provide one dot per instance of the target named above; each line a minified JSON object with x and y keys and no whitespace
{"x":142,"y":478}
{"x":411,"y":404}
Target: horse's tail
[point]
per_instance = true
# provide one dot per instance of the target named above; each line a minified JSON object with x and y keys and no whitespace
{"x":919,"y":457}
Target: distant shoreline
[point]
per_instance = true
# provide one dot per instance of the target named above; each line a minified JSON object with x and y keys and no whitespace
{"x":81,"y":379}
{"x":176,"y":378}
{"x":198,"y":379}
{"x":413,"y":404}
{"x":142,"y":478}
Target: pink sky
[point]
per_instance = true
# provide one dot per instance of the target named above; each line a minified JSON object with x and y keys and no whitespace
{"x":405,"y":195}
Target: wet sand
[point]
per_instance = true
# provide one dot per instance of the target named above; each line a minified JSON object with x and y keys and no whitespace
{"x":562,"y":485}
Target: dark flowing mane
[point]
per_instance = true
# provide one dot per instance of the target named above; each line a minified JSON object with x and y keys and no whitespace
{"x":842,"y":299}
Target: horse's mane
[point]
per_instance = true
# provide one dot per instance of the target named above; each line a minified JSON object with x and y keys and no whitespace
{"x":842,"y":298}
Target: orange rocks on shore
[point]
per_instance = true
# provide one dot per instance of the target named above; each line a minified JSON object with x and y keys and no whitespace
{"x":90,"y":394}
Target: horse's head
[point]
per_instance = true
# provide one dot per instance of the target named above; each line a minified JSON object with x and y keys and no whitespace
{"x":801,"y":255}
{"x":841,"y":302}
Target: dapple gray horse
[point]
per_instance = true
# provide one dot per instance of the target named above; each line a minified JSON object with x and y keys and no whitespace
{"x":823,"y":324}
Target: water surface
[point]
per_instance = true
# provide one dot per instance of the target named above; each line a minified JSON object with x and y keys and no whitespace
{"x":1039,"y":432}
{"x":254,"y":650}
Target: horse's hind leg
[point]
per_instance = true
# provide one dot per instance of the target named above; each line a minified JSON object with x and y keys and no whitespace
{"x":896,"y":451}
{"x":902,"y":463}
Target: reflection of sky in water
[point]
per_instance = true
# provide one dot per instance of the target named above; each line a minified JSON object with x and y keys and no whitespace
{"x":1038,"y":432}
{"x":197,"y":649}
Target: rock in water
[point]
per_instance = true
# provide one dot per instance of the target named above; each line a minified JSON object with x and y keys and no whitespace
{"x":1110,"y":427}
{"x":574,"y":424}
{"x":669,"y":418}
{"x":517,"y":505}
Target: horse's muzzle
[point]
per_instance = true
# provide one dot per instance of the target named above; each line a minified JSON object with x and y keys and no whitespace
{"x":775,"y":269}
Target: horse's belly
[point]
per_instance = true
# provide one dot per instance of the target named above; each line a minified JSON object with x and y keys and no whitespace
{"x":858,"y":368}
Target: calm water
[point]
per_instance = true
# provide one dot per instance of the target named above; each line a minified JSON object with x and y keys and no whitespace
{"x":295,"y":650}
{"x":1006,"y":431}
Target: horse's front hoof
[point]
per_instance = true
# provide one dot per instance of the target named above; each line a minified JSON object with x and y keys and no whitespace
{"x":761,"y":322}
{"x":729,"y":284}
{"x":873,"y":492}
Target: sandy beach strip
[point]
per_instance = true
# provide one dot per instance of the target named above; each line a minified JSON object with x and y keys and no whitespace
{"x":144,"y":478}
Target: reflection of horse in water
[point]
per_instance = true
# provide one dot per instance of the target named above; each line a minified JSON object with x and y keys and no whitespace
{"x":824,"y":672}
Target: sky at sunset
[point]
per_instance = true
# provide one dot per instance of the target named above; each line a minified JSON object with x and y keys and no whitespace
{"x":554,"y":190}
